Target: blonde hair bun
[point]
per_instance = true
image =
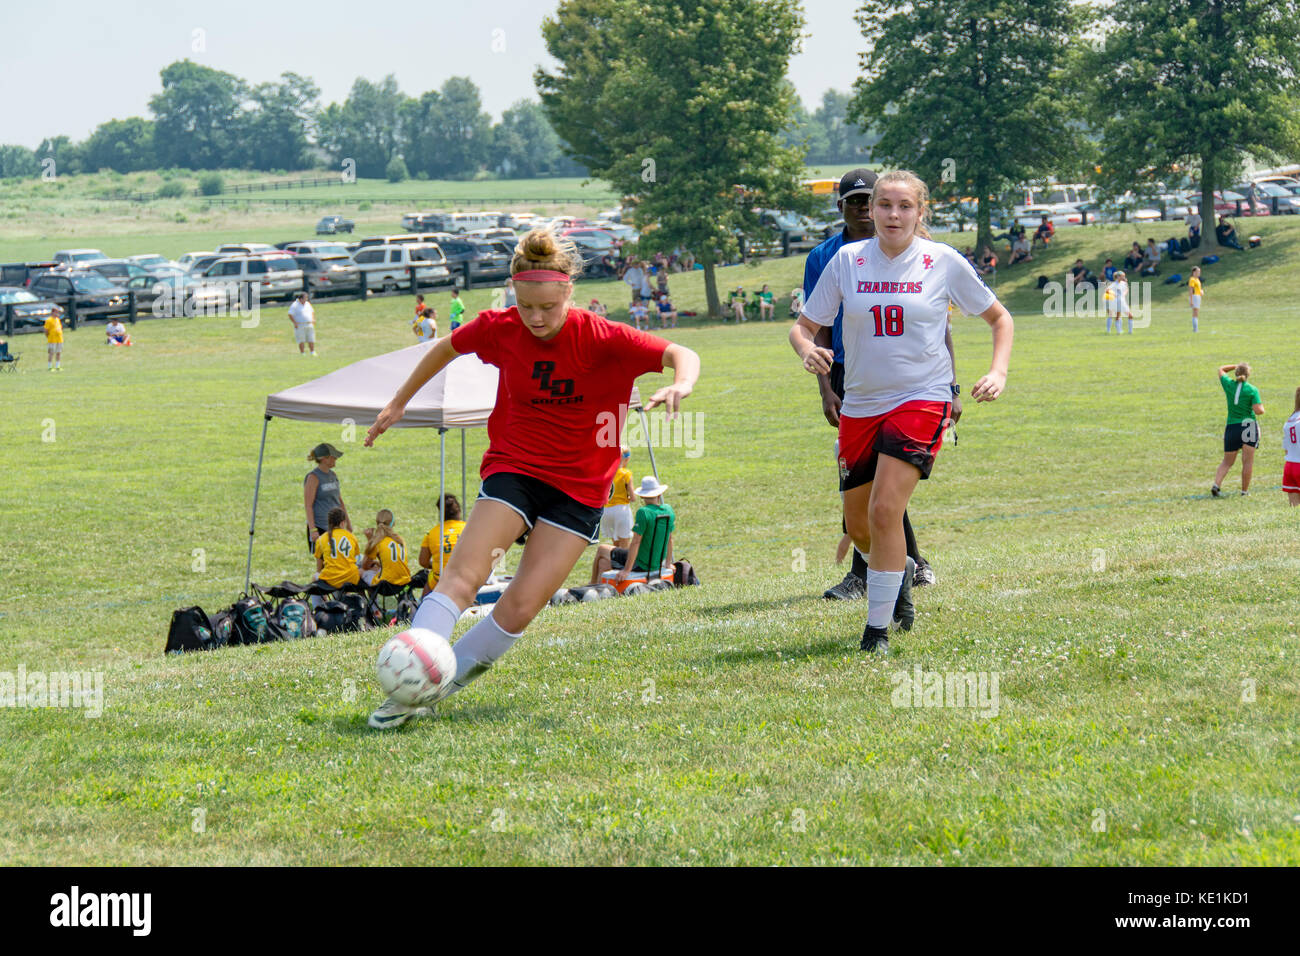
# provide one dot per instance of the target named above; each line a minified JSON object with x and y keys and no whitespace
{"x":543,"y":249}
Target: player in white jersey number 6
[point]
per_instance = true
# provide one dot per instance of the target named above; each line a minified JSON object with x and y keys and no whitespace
{"x":895,"y":291}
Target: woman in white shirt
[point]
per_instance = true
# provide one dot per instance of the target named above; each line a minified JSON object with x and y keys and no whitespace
{"x":898,"y":376}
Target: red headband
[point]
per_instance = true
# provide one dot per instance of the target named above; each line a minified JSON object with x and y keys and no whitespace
{"x":540,"y":275}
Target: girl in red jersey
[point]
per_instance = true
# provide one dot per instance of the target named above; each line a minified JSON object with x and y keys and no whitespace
{"x":898,"y":377}
{"x":565,"y":376}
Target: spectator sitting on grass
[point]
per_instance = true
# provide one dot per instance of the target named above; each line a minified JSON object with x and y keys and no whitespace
{"x":1044,"y":233}
{"x":1226,"y":235}
{"x":1150,"y":259}
{"x":1134,"y":257}
{"x":116,"y":333}
{"x":988,"y":263}
{"x":1109,"y":270}
{"x":652,"y":538}
{"x":969,"y":253}
{"x":736,"y":302}
{"x":796,"y":302}
{"x":597,"y":308}
{"x":766,"y":309}
{"x":667,"y":313}
{"x":1079,"y":275}
{"x":1020,"y":251}
{"x":640,"y":314}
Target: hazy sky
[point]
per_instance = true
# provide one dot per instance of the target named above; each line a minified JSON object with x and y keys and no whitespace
{"x":69,"y":65}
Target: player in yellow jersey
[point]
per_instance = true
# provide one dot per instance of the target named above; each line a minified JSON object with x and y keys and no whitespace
{"x":616,"y":519}
{"x":385,"y":553}
{"x":54,"y":340}
{"x":336,"y":553}
{"x":1194,"y":292}
{"x":452,"y":525}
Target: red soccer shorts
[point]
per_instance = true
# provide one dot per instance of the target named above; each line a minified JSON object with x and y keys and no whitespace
{"x":912,"y":432}
{"x":1291,"y":476}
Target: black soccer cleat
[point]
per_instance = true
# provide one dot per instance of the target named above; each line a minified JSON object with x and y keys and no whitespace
{"x":875,"y":640}
{"x":904,"y":609}
{"x":1214,"y":492}
{"x":852,"y":588}
{"x":924,"y":576}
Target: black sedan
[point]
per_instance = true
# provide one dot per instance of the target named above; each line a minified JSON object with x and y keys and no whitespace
{"x":94,"y":295}
{"x":29,"y":311}
{"x":332,"y":224}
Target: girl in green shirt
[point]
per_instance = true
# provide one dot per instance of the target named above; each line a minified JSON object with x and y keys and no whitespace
{"x":766,"y":310}
{"x":1242,"y":431}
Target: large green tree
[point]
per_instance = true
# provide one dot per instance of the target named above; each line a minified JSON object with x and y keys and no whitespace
{"x":366,"y":127}
{"x":18,"y":161}
{"x":524,"y":143}
{"x":122,"y":145}
{"x":676,"y":105}
{"x":972,"y":95}
{"x":1192,"y":86}
{"x":280,"y":128}
{"x":199,"y":117}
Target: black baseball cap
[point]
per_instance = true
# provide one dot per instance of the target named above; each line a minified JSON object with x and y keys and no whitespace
{"x":325,"y":450}
{"x":856,"y":182}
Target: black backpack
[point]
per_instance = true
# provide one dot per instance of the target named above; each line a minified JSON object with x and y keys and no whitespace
{"x":191,"y":630}
{"x":331,"y":617}
{"x":684,"y":574}
{"x":407,"y":605}
{"x":254,"y":621}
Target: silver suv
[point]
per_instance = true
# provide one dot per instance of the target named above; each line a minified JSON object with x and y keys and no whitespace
{"x":275,"y":275}
{"x":387,"y":268}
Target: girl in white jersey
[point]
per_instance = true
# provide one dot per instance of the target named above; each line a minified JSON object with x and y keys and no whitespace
{"x":1291,"y":445}
{"x":898,"y":376}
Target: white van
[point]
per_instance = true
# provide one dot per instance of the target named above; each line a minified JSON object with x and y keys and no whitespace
{"x":462,"y":222}
{"x":275,"y":274}
{"x":387,"y":268}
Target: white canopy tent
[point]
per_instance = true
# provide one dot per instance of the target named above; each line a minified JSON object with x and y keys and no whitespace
{"x":461,"y":396}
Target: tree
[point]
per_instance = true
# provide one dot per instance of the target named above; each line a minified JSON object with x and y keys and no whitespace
{"x":396,"y":170}
{"x":122,"y":145}
{"x":972,"y":95}
{"x":843,"y":141}
{"x":366,"y":127}
{"x":690,"y":104}
{"x":1190,"y":85}
{"x":524,"y":143}
{"x":66,"y":154}
{"x":18,"y":161}
{"x":279,"y":130}
{"x":199,"y":117}
{"x":802,"y":132}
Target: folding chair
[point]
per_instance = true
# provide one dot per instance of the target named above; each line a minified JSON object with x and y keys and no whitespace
{"x":8,"y":360}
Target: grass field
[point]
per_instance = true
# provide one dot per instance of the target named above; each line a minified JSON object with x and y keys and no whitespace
{"x":1144,"y":636}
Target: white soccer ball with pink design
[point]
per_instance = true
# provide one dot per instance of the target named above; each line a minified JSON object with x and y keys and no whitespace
{"x":416,"y":667}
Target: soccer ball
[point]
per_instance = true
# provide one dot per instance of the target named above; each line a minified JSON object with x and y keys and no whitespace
{"x":415,"y":666}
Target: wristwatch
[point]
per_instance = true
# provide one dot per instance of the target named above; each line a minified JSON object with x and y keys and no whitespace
{"x":956,"y":389}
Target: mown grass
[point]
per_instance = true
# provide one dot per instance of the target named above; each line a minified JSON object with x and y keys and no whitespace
{"x":1144,"y":635}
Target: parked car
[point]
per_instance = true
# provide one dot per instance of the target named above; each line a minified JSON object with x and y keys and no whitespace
{"x":22,"y":273}
{"x":427,"y":221}
{"x":329,"y":273}
{"x":1287,"y":203}
{"x":595,"y":238}
{"x":390,"y":240}
{"x":187,"y":295}
{"x":329,"y":225}
{"x":1280,"y":180}
{"x":76,"y":258}
{"x":152,"y":261}
{"x":1225,"y":204}
{"x":517,"y":220}
{"x":29,"y":311}
{"x":201,"y":265}
{"x":494,"y":233}
{"x":245,"y":248}
{"x":596,"y":263}
{"x":314,"y":247}
{"x":94,"y":295}
{"x":274,"y":274}
{"x":486,"y":264}
{"x":187,"y":261}
{"x":387,"y":268}
{"x":118,"y":270}
{"x":1031,"y":216}
{"x":463,"y":222}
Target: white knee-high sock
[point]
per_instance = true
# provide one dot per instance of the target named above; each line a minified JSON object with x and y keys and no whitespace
{"x":882,"y":595}
{"x":437,"y":613}
{"x":478,"y":650}
{"x":1108,"y":324}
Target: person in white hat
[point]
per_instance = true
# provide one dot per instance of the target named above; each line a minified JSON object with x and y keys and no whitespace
{"x":652,"y":537}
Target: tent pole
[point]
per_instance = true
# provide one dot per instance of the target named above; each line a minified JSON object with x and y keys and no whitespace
{"x":462,"y":469}
{"x":442,"y":492}
{"x":252,"y":521}
{"x":649,"y":446}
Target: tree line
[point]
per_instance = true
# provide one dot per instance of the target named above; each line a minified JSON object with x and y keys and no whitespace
{"x":205,"y":118}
